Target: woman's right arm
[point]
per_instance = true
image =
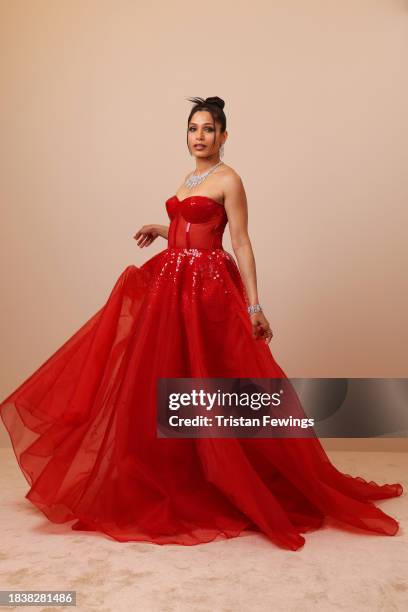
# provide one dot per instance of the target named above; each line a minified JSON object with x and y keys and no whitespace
{"x":163,"y":231}
{"x":148,"y":233}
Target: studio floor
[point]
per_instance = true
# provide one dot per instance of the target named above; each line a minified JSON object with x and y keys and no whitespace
{"x":337,"y":569}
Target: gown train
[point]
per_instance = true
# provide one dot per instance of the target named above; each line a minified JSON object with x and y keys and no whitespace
{"x":83,"y":425}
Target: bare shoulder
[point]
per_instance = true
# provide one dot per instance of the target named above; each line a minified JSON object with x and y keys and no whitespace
{"x":228,"y":172}
{"x":232,"y":183}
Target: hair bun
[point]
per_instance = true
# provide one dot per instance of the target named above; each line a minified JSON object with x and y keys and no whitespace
{"x":215,"y":100}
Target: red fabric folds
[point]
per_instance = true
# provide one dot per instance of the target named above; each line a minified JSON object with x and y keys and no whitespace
{"x":83,"y":426}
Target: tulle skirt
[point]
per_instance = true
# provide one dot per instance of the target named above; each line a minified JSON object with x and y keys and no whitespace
{"x":83,"y":425}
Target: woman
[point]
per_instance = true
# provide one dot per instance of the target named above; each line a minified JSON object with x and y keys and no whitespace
{"x":206,"y":136}
{"x":83,"y":426}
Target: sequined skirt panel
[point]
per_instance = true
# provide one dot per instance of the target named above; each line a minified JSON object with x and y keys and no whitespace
{"x":83,"y":426}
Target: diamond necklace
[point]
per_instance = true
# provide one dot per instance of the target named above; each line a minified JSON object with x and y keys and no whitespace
{"x":196,"y":179}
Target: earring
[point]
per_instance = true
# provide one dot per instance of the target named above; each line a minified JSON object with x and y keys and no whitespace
{"x":221,"y":151}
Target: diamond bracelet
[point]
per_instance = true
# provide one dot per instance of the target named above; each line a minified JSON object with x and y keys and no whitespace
{"x":254,"y":308}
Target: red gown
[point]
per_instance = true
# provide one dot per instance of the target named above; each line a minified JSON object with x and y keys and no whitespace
{"x":83,"y":425}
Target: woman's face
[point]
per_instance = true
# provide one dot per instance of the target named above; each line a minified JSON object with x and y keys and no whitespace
{"x":201,"y":132}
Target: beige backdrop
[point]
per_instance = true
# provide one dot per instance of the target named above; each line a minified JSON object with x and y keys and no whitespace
{"x":93,"y":131}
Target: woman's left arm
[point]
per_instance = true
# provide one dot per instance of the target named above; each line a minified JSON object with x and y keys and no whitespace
{"x":236,"y":207}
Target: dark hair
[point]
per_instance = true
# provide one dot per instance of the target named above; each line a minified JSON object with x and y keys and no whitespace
{"x":214,"y":106}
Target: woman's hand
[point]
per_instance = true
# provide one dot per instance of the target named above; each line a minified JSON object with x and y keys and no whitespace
{"x":146,"y":235}
{"x":261,"y":327}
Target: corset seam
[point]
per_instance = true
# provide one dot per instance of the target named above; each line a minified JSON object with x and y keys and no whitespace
{"x":180,"y":236}
{"x":174,"y":237}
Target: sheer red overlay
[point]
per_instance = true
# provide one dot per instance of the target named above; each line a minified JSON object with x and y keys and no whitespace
{"x":83,"y":425}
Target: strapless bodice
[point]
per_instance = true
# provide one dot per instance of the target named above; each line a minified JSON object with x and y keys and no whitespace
{"x":196,"y":222}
